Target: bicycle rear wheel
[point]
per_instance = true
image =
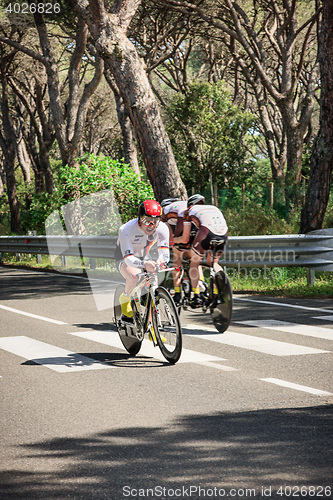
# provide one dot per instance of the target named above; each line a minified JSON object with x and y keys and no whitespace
{"x":131,"y":344}
{"x":166,"y":325}
{"x":222,"y":311}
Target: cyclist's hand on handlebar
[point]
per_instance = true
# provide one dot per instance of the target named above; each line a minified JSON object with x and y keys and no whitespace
{"x":150,"y":266}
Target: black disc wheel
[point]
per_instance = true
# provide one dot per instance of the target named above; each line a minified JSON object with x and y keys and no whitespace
{"x":166,"y":325}
{"x":222,"y":310}
{"x":131,"y":344}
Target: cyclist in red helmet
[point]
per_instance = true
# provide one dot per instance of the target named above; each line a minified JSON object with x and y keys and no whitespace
{"x":135,"y":239}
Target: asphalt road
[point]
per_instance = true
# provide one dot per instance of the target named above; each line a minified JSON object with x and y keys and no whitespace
{"x":244,"y":414}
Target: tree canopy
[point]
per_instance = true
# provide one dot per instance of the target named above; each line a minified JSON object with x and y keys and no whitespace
{"x":210,"y":136}
{"x":123,"y":78}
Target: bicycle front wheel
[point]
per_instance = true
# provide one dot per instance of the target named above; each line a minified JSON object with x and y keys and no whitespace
{"x":222,"y":311}
{"x":166,"y":325}
{"x":130,"y":342}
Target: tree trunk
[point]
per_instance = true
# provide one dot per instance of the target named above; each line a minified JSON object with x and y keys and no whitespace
{"x":2,"y":175}
{"x":53,"y":86}
{"x":294,"y":163}
{"x":322,"y":157}
{"x":121,"y":57}
{"x":130,"y":151}
{"x":9,"y":151}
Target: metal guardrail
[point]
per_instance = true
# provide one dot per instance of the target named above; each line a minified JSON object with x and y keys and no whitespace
{"x":88,"y":246}
{"x":313,"y":250}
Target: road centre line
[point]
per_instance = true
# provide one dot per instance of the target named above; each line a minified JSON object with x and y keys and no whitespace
{"x":112,"y":339}
{"x":295,"y":328}
{"x":55,"y":358}
{"x":283,"y":304}
{"x":64,"y":275}
{"x":324,"y":318}
{"x":87,"y":278}
{"x":297,"y":387}
{"x":36,"y":316}
{"x":258,"y":344}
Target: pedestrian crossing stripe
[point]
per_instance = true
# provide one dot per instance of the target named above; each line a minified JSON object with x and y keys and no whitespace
{"x":295,"y":328}
{"x":258,"y":344}
{"x":112,"y":339}
{"x":50,"y":356}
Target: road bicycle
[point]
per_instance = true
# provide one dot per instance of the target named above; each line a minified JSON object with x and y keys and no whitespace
{"x":154,"y":314}
{"x":220,"y":304}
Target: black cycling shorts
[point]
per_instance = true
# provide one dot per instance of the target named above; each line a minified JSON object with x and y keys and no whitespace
{"x":202,"y":242}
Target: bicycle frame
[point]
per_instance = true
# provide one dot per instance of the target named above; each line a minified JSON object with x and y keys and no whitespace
{"x":141,"y":323}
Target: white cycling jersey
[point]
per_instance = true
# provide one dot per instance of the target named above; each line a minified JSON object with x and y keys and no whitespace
{"x":135,"y":245}
{"x":208,"y":216}
{"x":175,"y":210}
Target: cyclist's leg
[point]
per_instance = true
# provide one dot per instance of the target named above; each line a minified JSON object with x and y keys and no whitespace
{"x":194,"y":272}
{"x":176,"y":274}
{"x":219,"y":252}
{"x":222,"y":308}
{"x":197,"y":253}
{"x":129,"y":341}
{"x":129,"y":273}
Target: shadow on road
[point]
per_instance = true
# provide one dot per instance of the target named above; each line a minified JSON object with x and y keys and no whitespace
{"x":247,"y":450}
{"x":15,"y":285}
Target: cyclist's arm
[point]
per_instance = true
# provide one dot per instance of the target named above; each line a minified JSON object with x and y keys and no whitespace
{"x":133,"y":261}
{"x":163,"y":243}
{"x":185,"y":237}
{"x":179,"y":227}
{"x":127,"y":250}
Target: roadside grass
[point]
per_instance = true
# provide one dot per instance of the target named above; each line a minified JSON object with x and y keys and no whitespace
{"x":282,"y":282}
{"x":277,"y":282}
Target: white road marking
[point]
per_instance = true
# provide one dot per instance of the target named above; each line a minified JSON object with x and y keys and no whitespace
{"x":259,"y":344}
{"x":111,"y":338}
{"x":283,"y":304}
{"x":43,"y":318}
{"x":296,"y":328}
{"x":48,"y":355}
{"x":297,"y":387}
{"x":325,"y":318}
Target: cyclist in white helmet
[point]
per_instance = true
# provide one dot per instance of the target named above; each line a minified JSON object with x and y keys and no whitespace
{"x":173,"y":213}
{"x":211,"y":225}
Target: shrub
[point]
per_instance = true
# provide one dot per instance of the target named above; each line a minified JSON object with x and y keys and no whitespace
{"x":94,"y":174}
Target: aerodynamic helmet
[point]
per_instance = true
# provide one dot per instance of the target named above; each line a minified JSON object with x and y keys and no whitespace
{"x":167,"y":201}
{"x":150,"y":208}
{"x":195,"y":199}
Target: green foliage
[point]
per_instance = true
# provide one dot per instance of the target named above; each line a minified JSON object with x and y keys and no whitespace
{"x":255,"y":219}
{"x":210,"y":136}
{"x":93,"y":174}
{"x":99,"y":173}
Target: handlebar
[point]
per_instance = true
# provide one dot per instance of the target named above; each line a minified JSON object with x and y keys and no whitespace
{"x":157,"y":270}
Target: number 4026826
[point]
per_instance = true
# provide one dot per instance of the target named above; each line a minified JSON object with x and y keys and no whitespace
{"x":32,"y":8}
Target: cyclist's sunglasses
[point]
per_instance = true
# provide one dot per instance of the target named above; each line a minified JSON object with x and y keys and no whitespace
{"x":146,"y":220}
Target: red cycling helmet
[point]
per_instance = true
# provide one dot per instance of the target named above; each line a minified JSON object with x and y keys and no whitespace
{"x":150,"y":208}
